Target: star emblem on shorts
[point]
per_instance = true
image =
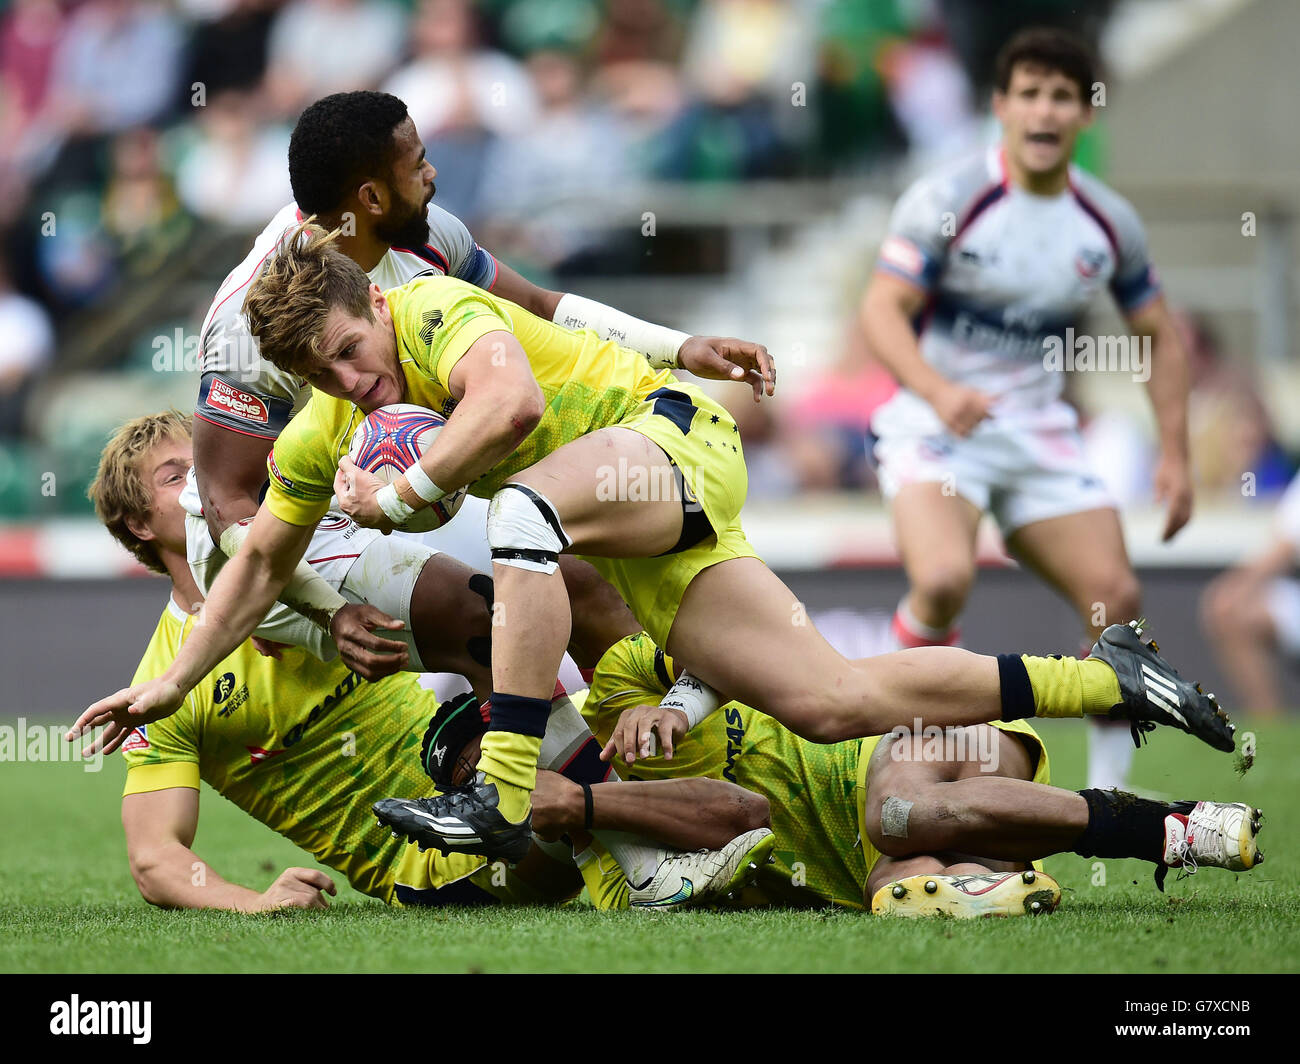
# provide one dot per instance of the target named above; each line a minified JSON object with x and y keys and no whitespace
{"x":707,"y":443}
{"x":734,"y":428}
{"x":714,"y":419}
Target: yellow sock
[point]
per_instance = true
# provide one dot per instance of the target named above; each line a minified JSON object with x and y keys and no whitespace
{"x":510,"y":761}
{"x":1072,"y":687}
{"x":606,"y":884}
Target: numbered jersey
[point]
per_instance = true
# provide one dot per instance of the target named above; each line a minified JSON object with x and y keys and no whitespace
{"x":242,"y":391}
{"x":1006,"y":273}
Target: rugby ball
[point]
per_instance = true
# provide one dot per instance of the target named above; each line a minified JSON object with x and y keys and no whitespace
{"x":389,"y":442}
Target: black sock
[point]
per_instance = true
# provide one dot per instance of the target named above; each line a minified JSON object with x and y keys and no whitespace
{"x":1016,"y":690}
{"x":520,"y":714}
{"x":1123,"y":825}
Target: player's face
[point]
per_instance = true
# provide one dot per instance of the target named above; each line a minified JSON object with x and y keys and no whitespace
{"x":164,"y":467}
{"x":410,"y":189}
{"x":1042,"y":114}
{"x":361,"y":357}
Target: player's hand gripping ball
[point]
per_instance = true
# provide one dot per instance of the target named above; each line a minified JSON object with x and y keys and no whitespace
{"x":391,"y":440}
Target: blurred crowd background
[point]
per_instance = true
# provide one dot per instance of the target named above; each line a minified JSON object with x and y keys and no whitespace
{"x":715,"y":165}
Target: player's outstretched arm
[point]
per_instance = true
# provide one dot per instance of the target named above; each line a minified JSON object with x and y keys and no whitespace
{"x":160,"y":827}
{"x":1167,"y":387}
{"x":686,"y":814}
{"x":236,"y":604}
{"x":719,"y":358}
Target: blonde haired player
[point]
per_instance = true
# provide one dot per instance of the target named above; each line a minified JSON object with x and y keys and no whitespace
{"x":306,"y":747}
{"x":554,"y":426}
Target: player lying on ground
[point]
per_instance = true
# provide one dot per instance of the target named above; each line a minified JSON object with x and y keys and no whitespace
{"x":306,"y":746}
{"x":356,"y":161}
{"x":969,"y":801}
{"x":551,"y":424}
{"x":1251,"y":613}
{"x":968,"y":301}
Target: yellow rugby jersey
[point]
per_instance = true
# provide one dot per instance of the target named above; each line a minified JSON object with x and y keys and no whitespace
{"x":305,"y":748}
{"x":812,"y":788}
{"x":588,"y":384}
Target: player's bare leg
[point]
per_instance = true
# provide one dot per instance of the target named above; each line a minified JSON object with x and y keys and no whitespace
{"x":1236,"y":615}
{"x":935,"y":533}
{"x":737,"y":627}
{"x":451,"y":618}
{"x":1082,"y":556}
{"x":735,"y":613}
{"x":600,"y":616}
{"x":977,"y":800}
{"x":451,"y":622}
{"x":531,"y":615}
{"x":917,"y":817}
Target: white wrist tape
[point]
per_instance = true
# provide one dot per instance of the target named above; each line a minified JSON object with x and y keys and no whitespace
{"x":693,"y":697}
{"x":391,"y":503}
{"x":659,"y":344}
{"x":307,"y":591}
{"x":313,"y":596}
{"x":233,"y":537}
{"x":422,"y":485}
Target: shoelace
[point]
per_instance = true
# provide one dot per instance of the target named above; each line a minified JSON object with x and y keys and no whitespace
{"x":1181,"y":851}
{"x":1139,"y":729}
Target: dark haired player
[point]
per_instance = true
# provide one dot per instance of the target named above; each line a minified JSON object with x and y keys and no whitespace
{"x":986,"y":266}
{"x":357,"y":162}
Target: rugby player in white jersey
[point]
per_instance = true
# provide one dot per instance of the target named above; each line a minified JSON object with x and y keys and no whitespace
{"x":1251,"y":613}
{"x":356,"y":161}
{"x":985,"y":267}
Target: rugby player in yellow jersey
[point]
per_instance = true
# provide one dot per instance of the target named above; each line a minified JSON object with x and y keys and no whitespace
{"x":306,"y":747}
{"x":965,"y":810}
{"x":580,"y":446}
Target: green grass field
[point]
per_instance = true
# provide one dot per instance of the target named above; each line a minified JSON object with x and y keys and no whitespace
{"x":67,"y":903}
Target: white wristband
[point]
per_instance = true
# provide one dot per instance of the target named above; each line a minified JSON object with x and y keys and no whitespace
{"x":391,"y":503}
{"x":659,"y":344}
{"x":693,"y":697}
{"x":234,"y":535}
{"x":422,"y":485}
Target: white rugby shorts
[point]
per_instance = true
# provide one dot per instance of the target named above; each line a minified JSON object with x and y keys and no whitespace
{"x":362,"y":564}
{"x":1021,"y":470}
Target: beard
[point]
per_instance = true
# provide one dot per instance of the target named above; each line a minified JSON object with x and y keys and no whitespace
{"x":409,"y":229}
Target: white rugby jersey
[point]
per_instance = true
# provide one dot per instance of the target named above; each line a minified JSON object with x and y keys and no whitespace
{"x":241,"y":391}
{"x":1288,"y":514}
{"x":1004,"y":270}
